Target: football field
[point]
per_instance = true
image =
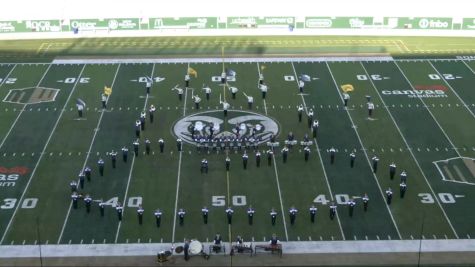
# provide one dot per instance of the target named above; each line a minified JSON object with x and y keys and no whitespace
{"x":423,"y":121}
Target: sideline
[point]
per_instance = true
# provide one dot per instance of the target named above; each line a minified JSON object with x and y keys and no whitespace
{"x":291,"y":247}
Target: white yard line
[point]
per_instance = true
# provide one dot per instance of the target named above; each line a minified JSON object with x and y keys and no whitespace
{"x":468,"y":66}
{"x":409,"y":149}
{"x":276,"y":174}
{"x":42,"y":152}
{"x":125,"y":197}
{"x":321,"y":161}
{"x":366,"y":155}
{"x":451,"y":88}
{"x":131,"y":167}
{"x":430,"y":112}
{"x":19,"y":114}
{"x":179,"y":170}
{"x":87,"y":157}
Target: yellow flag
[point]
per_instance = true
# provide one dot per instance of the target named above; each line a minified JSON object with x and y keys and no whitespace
{"x":107,"y":90}
{"x":193,"y":72}
{"x":263,"y":67}
{"x":347,"y":88}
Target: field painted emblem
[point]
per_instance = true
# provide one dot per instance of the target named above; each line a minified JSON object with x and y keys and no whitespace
{"x":243,"y":123}
{"x":457,"y":170}
{"x":31,"y":95}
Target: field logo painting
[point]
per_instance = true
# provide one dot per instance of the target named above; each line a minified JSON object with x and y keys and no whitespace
{"x":421,"y":91}
{"x":9,"y":176}
{"x":243,"y":123}
{"x":457,"y":170}
{"x":31,"y":95}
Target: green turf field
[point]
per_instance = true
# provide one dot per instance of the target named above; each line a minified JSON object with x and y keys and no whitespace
{"x":423,"y":121}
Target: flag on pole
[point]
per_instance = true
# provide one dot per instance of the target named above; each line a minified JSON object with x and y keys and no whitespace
{"x":80,"y":103}
{"x":193,"y":72}
{"x":305,"y":78}
{"x":107,"y":90}
{"x":347,"y":88}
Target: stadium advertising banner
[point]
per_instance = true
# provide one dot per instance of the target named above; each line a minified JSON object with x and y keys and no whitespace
{"x":184,"y":23}
{"x":255,"y":22}
{"x":386,"y":23}
{"x":468,"y":24}
{"x":424,"y":23}
{"x":105,"y":24}
{"x":338,"y":22}
{"x":31,"y":26}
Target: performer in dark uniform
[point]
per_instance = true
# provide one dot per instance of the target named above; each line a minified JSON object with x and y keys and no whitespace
{"x":365,"y":202}
{"x":402,"y":189}
{"x":258,"y":159}
{"x":158,"y":217}
{"x":352,"y":159}
{"x":119,"y":210}
{"x":392,"y":170}
{"x":351,"y":206}
{"x":161,"y":143}
{"x":273,"y":216}
{"x":313,"y":213}
{"x":250,"y":214}
{"x":229,"y":214}
{"x":332,"y":210}
{"x":113,"y":155}
{"x":140,"y":212}
{"x":125,"y":153}
{"x":332,"y":155}
{"x":100,"y":162}
{"x":181,"y":216}
{"x":389,"y":196}
{"x":205,"y":212}
{"x":293,"y":215}
{"x":228,"y":163}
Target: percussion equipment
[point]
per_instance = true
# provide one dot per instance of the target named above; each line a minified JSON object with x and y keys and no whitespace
{"x":195,"y":247}
{"x":179,"y":249}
